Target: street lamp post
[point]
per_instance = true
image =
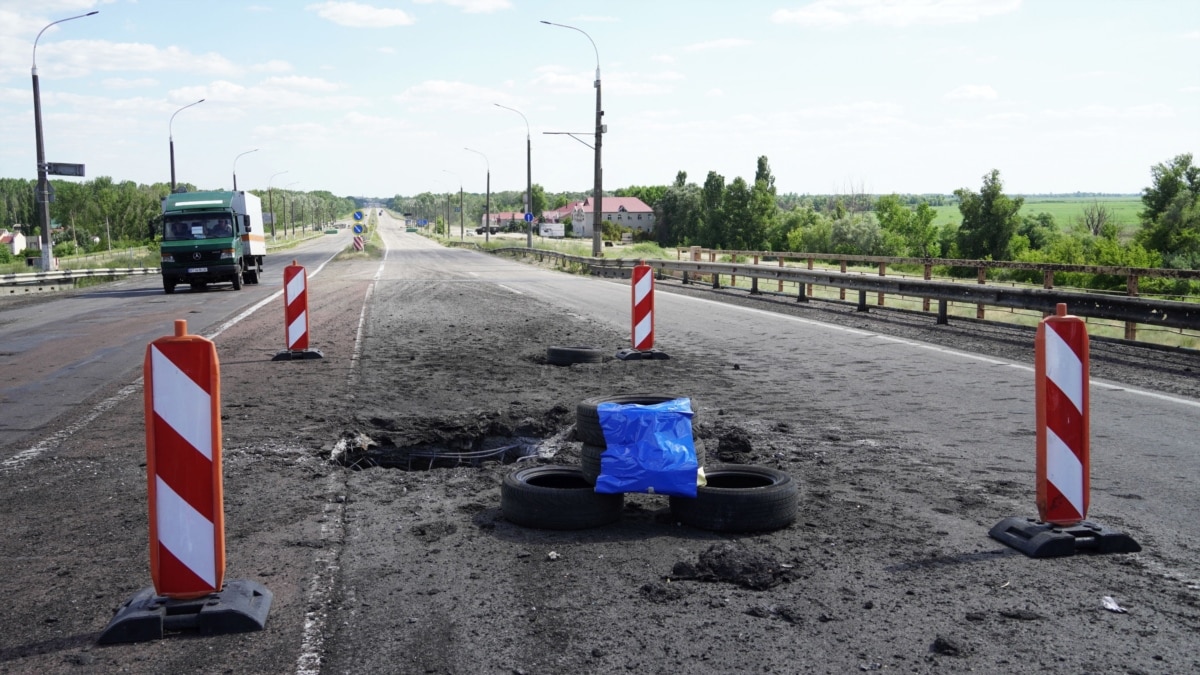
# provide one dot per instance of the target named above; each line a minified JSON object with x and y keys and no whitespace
{"x":171,"y":138}
{"x":271,"y":200}
{"x":528,"y":175}
{"x":598,"y":192}
{"x":43,"y":186}
{"x":291,"y":209}
{"x":235,"y":159}
{"x":487,"y":220}
{"x":461,"y":230}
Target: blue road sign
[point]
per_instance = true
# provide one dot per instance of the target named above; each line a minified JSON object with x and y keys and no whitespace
{"x":358,"y":228}
{"x":358,"y":215}
{"x":422,"y":222}
{"x":529,"y":217}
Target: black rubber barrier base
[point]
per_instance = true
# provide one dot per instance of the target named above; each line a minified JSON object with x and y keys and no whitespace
{"x":241,"y":607}
{"x":646,"y":355}
{"x":1043,"y":540}
{"x":294,"y":354}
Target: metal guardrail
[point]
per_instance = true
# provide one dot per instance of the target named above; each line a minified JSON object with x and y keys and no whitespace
{"x":70,"y":275}
{"x":1165,"y":313}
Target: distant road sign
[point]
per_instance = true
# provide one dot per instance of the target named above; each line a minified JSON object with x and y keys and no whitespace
{"x":358,"y":215}
{"x":60,"y":169}
{"x":422,"y":222}
{"x":358,"y":229}
{"x":529,"y":217}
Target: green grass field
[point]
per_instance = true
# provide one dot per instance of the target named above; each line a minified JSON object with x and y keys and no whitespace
{"x":1066,"y":210}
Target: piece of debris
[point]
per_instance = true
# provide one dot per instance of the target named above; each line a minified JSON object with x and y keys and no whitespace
{"x":735,"y":564}
{"x":946,"y":645}
{"x":552,"y":555}
{"x":1021,"y":614}
{"x":1111,"y":604}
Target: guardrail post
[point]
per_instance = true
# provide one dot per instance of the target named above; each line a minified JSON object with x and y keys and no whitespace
{"x":810,"y":266}
{"x":781,"y":280}
{"x":943,"y":318}
{"x":981,"y":274}
{"x":862,"y":301}
{"x":716,"y":280}
{"x":800,"y":296}
{"x":842,"y":291}
{"x":1131,"y":289}
{"x":882,"y":273}
{"x":928,"y":276}
{"x":685,"y":278}
{"x":1047,"y":283}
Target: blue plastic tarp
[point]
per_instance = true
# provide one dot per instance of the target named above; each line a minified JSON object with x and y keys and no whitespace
{"x":648,"y":448}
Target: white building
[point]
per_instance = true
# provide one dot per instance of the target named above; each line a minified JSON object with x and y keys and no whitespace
{"x":624,"y":211}
{"x":14,"y":241}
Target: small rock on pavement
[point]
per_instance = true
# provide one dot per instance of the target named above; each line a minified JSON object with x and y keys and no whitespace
{"x":947,"y":646}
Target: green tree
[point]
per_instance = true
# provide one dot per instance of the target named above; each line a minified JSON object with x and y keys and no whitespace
{"x":763,"y":173}
{"x":1171,"y":218}
{"x":681,"y":209}
{"x":914,"y":228}
{"x":735,"y":208}
{"x":989,"y":219}
{"x":712,"y":225}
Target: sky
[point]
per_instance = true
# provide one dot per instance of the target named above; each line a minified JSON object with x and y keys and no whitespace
{"x":378,"y":98}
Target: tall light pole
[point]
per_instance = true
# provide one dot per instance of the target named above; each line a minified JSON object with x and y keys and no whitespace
{"x":171,"y":138}
{"x":271,"y":200}
{"x":43,"y":186}
{"x":291,"y":208}
{"x":461,"y":229}
{"x":487,"y":219}
{"x":598,"y":192}
{"x":235,"y":159}
{"x":528,"y":175}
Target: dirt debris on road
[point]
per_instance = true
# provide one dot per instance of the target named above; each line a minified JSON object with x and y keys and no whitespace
{"x":363,"y":490}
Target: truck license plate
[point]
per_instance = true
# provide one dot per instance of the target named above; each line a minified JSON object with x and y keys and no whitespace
{"x":197,"y":270}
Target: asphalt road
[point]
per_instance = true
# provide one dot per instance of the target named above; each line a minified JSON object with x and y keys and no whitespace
{"x":907,"y":451}
{"x":58,"y":352}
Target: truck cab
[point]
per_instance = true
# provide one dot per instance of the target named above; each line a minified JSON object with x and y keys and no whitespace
{"x":211,"y":237}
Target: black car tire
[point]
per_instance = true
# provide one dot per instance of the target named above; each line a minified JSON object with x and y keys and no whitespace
{"x":739,"y":498}
{"x":565,"y":356}
{"x":168,"y":286}
{"x":587,"y":419}
{"x":555,"y":497}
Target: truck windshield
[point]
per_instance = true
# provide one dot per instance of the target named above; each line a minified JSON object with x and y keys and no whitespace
{"x":197,"y":227}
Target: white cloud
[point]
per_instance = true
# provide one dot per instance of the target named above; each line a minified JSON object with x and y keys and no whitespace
{"x":838,"y":13}
{"x":358,"y":15}
{"x":472,"y":6}
{"x":1105,"y":112}
{"x":125,"y":83}
{"x":386,"y":50}
{"x":663,"y":58}
{"x":714,"y":93}
{"x":972,"y":92}
{"x":723,"y":43}
{"x":434,"y":95}
{"x":560,"y":80}
{"x":593,"y":18}
{"x":1189,"y":90}
{"x":1192,"y":35}
{"x":77,"y":58}
{"x":298,"y":83}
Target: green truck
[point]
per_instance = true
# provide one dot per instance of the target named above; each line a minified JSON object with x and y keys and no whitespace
{"x":211,"y":238}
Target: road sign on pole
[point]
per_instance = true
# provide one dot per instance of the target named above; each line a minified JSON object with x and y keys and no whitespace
{"x":529,"y":217}
{"x":61,"y":169}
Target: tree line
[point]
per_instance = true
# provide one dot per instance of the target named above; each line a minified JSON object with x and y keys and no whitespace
{"x":102,"y":214}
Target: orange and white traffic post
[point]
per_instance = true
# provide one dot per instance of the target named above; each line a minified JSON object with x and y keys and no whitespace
{"x":183,"y":465}
{"x":187,"y":522}
{"x":1063,"y":464}
{"x":295,"y":315}
{"x":1063,"y":427}
{"x":642,"y":333}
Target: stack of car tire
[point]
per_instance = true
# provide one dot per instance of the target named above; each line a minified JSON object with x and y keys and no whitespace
{"x":736,"y":497}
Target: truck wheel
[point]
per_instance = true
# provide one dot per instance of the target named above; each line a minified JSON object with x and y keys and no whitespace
{"x":168,"y":285}
{"x":250,"y":277}
{"x":237,"y":281}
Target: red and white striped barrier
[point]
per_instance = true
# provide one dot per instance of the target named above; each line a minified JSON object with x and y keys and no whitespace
{"x":643,"y":308}
{"x":183,"y":465}
{"x":295,"y":306}
{"x":1061,"y":376}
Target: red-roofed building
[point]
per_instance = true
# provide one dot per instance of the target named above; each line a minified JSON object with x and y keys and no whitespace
{"x":625,"y":211}
{"x":14,"y":241}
